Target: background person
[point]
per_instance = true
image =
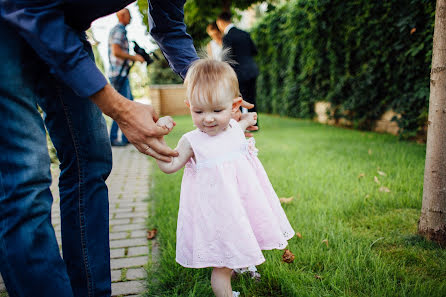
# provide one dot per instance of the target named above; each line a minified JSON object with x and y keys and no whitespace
{"x":242,"y":51}
{"x":214,"y":47}
{"x":118,"y":53}
{"x":49,"y":63}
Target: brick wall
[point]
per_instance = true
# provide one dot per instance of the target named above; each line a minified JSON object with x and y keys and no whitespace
{"x":168,"y":99}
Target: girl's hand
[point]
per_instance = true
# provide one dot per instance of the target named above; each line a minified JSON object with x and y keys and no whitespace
{"x":166,"y":122}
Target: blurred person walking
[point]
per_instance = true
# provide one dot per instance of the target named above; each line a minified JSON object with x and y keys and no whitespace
{"x":118,"y":54}
{"x":241,"y":51}
{"x":214,"y":47}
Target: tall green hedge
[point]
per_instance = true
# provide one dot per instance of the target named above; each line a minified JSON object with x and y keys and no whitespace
{"x":364,"y":57}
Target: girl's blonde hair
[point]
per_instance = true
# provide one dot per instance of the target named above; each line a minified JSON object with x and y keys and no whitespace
{"x":211,"y":82}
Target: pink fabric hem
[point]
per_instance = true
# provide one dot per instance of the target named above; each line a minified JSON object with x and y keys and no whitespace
{"x":221,"y":265}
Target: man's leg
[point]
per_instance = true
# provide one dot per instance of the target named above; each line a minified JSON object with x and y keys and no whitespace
{"x":127,"y":93}
{"x":248,"y":91}
{"x":30,"y":262}
{"x":124,"y":90}
{"x":78,"y":131}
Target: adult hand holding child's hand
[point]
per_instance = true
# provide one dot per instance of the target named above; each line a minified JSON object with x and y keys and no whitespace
{"x":137,"y":122}
{"x":166,"y":122}
{"x":250,"y":117}
{"x":238,"y":114}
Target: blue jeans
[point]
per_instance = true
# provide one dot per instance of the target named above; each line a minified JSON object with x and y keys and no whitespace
{"x":125,"y":91}
{"x":30,"y":262}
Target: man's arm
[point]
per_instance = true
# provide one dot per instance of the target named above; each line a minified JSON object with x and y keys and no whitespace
{"x":118,"y":52}
{"x":42,"y":24}
{"x":117,"y":38}
{"x":137,"y":122}
{"x":166,"y":22}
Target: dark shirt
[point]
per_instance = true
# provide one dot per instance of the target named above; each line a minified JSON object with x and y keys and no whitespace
{"x":52,"y":28}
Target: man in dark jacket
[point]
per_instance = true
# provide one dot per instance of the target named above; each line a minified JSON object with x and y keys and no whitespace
{"x":48,"y":62}
{"x":241,"y":52}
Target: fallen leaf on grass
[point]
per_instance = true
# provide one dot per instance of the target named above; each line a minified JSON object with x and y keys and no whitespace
{"x":286,"y":200}
{"x":370,"y":151}
{"x":151,"y":233}
{"x":384,"y":189}
{"x":288,"y":256}
{"x":298,"y":234}
{"x":325,"y":241}
{"x":382,"y":173}
{"x":318,"y":277}
{"x":376,"y":180}
{"x":361,"y":175}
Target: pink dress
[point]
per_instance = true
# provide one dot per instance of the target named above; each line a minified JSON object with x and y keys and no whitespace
{"x":229,"y":211}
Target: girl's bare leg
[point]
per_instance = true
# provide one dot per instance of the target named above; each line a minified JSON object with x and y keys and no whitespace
{"x":221,"y":282}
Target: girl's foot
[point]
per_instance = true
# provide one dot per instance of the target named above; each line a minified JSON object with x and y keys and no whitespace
{"x":235,"y":294}
{"x":252,"y":270}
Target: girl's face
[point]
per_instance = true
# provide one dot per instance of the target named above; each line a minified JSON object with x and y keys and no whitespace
{"x":211,"y":118}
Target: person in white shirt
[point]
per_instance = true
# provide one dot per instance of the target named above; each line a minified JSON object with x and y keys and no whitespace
{"x":215,"y":46}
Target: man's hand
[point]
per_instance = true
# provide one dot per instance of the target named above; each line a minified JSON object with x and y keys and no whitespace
{"x":118,"y":52}
{"x":237,"y":116}
{"x":138,"y":58}
{"x":137,"y":122}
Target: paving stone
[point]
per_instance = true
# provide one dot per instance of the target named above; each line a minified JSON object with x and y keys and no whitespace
{"x":128,"y":262}
{"x":136,"y":273}
{"x":130,"y":227}
{"x":119,"y":221}
{"x":128,"y":242}
{"x":138,"y":250}
{"x":126,"y":288}
{"x":131,"y":215}
{"x":134,"y":204}
{"x":138,"y":233}
{"x":119,"y":210}
{"x":117,"y":253}
{"x":118,"y":235}
{"x":115,"y":275}
{"x":2,"y":287}
{"x":139,"y":220}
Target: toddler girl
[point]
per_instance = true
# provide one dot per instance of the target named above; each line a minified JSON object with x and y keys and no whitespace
{"x":228,"y":211}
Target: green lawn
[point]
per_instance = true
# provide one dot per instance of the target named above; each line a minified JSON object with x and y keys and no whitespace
{"x":373,"y":249}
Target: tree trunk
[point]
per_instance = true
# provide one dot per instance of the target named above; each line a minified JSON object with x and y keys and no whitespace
{"x":432,"y":224}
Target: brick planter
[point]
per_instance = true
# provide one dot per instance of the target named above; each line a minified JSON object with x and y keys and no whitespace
{"x":169,"y":99}
{"x":384,"y":124}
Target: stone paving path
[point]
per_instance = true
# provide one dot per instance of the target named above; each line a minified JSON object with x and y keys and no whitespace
{"x":128,"y":192}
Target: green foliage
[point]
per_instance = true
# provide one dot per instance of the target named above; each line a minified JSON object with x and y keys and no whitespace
{"x":364,"y":57}
{"x":199,"y":13}
{"x":372,"y":247}
{"x":159,"y":72}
